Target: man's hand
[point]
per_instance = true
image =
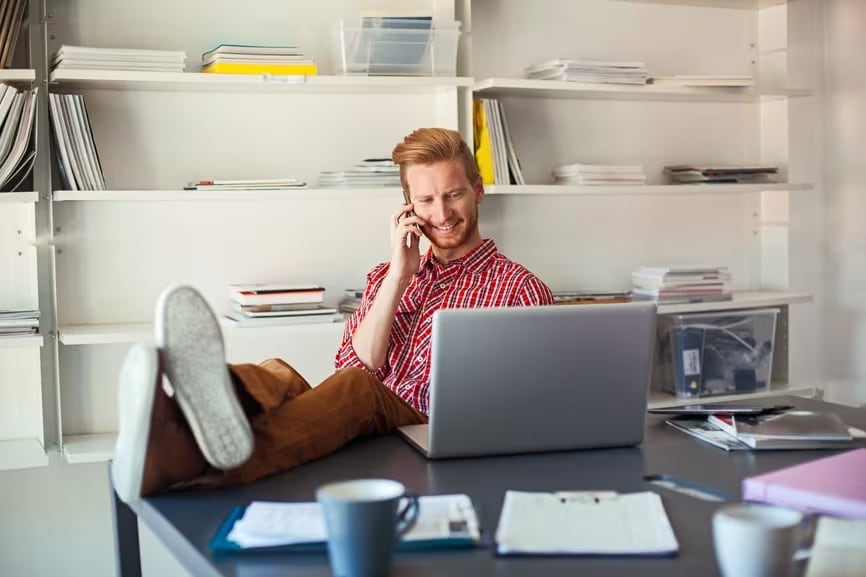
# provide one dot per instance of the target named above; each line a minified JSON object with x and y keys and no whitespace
{"x":405,"y":260}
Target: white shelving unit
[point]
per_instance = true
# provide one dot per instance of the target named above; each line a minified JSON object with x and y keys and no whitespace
{"x":28,"y":196}
{"x":22,"y":341}
{"x":22,"y":454}
{"x":642,"y":190}
{"x":192,"y":81}
{"x":597,"y":91}
{"x":293,"y":195}
{"x":92,"y":448}
{"x":17,"y":75}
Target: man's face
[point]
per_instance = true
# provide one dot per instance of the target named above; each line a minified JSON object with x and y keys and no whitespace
{"x":444,"y":197}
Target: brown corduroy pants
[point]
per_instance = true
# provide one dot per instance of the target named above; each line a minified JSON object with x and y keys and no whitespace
{"x":294,"y":423}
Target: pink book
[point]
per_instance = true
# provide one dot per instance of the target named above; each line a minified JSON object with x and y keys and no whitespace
{"x":834,"y":485}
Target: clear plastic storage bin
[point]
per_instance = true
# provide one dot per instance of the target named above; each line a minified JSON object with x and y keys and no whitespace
{"x":720,"y":353}
{"x":397,"y":47}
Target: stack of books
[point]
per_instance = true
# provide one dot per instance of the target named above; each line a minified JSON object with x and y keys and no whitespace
{"x":252,"y":59}
{"x":789,"y":430}
{"x":598,"y":174}
{"x":247,"y":184}
{"x":16,"y":323}
{"x":88,"y":58}
{"x":370,"y":173}
{"x":590,"y":297}
{"x":589,"y":71}
{"x":77,"y":158}
{"x":679,"y":284}
{"x":12,"y":14}
{"x":692,"y":173}
{"x":494,"y":149}
{"x":256,"y":305}
{"x":17,"y":136}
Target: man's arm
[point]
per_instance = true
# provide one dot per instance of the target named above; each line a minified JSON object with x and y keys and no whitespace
{"x":372,"y":337}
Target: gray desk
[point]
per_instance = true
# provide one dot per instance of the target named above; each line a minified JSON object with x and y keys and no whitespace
{"x":185,"y":522}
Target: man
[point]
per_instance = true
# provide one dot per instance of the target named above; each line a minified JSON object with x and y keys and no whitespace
{"x":219,"y":425}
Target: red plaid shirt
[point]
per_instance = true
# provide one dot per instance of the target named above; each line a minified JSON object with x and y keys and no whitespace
{"x":482,"y":278}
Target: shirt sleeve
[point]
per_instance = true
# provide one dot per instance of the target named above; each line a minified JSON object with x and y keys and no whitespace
{"x":533,"y":292}
{"x":346,"y":355}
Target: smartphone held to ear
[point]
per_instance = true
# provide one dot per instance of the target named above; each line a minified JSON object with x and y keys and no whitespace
{"x":410,"y":213}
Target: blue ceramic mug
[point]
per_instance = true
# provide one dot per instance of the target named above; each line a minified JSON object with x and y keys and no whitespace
{"x":364,"y":519}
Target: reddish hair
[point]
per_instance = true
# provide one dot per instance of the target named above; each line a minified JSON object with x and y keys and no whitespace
{"x":429,"y":145}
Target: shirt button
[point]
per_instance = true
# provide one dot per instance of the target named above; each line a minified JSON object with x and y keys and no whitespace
{"x":442,"y":285}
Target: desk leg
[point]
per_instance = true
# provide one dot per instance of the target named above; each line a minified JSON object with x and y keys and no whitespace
{"x":125,"y":536}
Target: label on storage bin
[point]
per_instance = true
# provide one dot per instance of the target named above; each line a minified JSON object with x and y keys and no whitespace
{"x":692,"y":362}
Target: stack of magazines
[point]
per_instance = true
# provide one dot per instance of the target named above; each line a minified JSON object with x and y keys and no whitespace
{"x":589,"y":71}
{"x":17,"y":136}
{"x":252,"y":59}
{"x":691,"y":173}
{"x":77,"y":158}
{"x":88,"y":58}
{"x":679,"y":284}
{"x":370,"y":173}
{"x":257,"y":305}
{"x":598,"y":174}
{"x":16,"y":323}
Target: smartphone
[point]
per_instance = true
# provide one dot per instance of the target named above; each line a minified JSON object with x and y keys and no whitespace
{"x":719,"y":409}
{"x":410,"y":213}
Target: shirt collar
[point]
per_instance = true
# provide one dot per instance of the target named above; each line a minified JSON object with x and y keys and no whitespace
{"x":472,"y":262}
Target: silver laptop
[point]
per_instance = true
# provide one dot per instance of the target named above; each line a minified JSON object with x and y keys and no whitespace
{"x":529,"y":379}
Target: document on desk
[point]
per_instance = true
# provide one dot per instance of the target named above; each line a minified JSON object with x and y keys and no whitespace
{"x":584,"y":523}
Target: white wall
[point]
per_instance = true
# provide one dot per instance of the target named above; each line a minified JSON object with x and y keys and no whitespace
{"x":845,"y":114}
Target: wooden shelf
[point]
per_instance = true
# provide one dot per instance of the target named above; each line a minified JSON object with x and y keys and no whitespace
{"x":22,"y":454}
{"x":641,"y":190}
{"x":659,"y":399}
{"x":22,"y":341}
{"x":198,"y":81}
{"x":17,"y":75}
{"x":598,"y":91}
{"x":107,"y":334}
{"x":742,"y":300}
{"x":216,"y":195}
{"x":30,"y":196}
{"x":93,"y":448}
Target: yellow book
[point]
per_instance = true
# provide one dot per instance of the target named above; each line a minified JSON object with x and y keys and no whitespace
{"x":483,"y":145}
{"x":261,"y":68}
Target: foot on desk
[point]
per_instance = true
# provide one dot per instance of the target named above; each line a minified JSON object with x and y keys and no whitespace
{"x":189,"y":336}
{"x":155,"y":448}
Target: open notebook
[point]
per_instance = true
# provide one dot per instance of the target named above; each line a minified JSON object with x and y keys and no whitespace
{"x":444,"y":521}
{"x":584,"y":523}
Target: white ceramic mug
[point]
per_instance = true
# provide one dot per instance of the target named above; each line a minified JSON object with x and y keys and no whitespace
{"x":753,"y":540}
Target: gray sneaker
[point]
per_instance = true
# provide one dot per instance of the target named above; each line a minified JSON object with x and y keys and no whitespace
{"x":194,"y":360}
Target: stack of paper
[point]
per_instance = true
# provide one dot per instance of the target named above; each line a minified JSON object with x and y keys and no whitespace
{"x":584,"y":523}
{"x":14,"y":323}
{"x":12,"y":13}
{"x":370,"y":173}
{"x":494,"y":149}
{"x":351,"y":300}
{"x":88,"y":58}
{"x":674,"y":284}
{"x":259,"y":305}
{"x":253,"y":59}
{"x":443,"y":521}
{"x":589,"y":71}
{"x":80,"y":168}
{"x":17,"y":136}
{"x":691,"y":173}
{"x":603,"y":174}
{"x":247,"y":184}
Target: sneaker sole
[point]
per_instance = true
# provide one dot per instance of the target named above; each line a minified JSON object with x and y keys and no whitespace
{"x":137,"y":389}
{"x":191,"y":341}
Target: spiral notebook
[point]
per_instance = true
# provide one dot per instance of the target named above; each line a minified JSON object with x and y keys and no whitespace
{"x":584,"y":523}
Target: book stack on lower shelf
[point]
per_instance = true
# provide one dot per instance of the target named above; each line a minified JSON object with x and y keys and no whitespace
{"x":259,"y":305}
